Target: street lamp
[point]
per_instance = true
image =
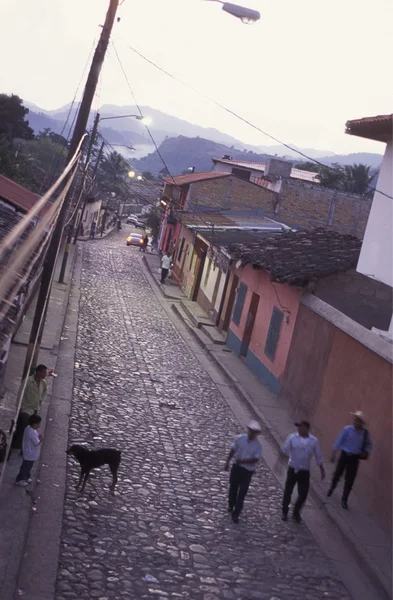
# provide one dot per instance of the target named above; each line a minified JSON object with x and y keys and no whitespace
{"x":144,"y":120}
{"x":246,"y":15}
{"x":131,"y":174}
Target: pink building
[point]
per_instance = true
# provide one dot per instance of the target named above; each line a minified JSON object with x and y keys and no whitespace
{"x":270,"y":277}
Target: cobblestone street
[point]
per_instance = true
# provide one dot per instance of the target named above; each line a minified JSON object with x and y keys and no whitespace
{"x":168,"y":519}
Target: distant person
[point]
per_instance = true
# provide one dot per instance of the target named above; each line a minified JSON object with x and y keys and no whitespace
{"x":166,"y":262}
{"x":81,"y":230}
{"x":143,"y":246}
{"x":355,"y":444}
{"x":30,"y":449}
{"x":153,"y":244}
{"x":33,"y":397}
{"x":118,"y":225}
{"x":246,"y":452}
{"x":93,"y":230}
{"x":300,"y":447}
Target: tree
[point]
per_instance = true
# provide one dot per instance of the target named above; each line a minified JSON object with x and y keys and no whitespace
{"x":147,"y":175}
{"x":154,"y":219}
{"x":357,"y":178}
{"x":308,"y":166}
{"x":332,"y":177}
{"x":12,"y":118}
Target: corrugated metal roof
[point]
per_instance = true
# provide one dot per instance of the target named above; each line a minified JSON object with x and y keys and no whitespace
{"x":205,"y":219}
{"x":194,"y":177}
{"x":254,"y":166}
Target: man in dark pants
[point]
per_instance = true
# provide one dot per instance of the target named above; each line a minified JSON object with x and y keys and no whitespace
{"x":300,"y":447}
{"x":246,"y":451}
{"x":355,"y":444}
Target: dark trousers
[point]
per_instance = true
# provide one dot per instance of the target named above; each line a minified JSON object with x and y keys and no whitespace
{"x":164,"y":273}
{"x":25,"y":470}
{"x":348,"y":463}
{"x":239,"y":482}
{"x":21,"y":424}
{"x":302,"y":479}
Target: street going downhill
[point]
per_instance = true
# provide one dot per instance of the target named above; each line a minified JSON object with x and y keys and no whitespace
{"x":166,"y":532}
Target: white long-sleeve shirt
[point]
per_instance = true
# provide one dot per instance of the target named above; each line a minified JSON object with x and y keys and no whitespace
{"x":244,"y":448}
{"x":166,"y":262}
{"x":301,"y":450}
{"x":31,"y":445}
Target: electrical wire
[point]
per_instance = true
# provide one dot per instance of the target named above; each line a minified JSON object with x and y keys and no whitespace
{"x":246,"y":121}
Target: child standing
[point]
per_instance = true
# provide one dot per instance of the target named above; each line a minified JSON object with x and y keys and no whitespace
{"x":31,"y":450}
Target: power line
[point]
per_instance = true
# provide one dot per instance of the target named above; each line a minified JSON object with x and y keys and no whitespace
{"x":244,"y":120}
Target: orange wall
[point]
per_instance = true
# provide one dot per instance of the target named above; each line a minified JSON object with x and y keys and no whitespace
{"x":258,"y":282}
{"x":330,"y":374}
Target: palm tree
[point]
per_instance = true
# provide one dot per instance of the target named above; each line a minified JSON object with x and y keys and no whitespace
{"x":357,"y":178}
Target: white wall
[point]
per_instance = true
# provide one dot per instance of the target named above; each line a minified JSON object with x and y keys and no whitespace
{"x":376,"y":256}
{"x":208,"y":289}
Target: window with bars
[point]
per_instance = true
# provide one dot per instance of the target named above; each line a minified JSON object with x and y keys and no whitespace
{"x":181,"y":250}
{"x":273,"y":334}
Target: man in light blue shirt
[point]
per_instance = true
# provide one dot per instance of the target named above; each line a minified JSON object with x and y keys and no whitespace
{"x":355,"y":444}
{"x":246,"y":452}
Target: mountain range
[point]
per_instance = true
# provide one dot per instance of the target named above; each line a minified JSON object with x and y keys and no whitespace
{"x":182,"y":144}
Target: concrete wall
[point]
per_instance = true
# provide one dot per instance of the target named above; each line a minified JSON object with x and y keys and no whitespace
{"x":366,"y":301}
{"x":336,"y":366}
{"x":376,"y":257}
{"x":270,"y":295}
{"x":181,"y":268}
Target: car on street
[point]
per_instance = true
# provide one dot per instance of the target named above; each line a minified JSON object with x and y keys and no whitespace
{"x":133,"y":220}
{"x":135,"y":239}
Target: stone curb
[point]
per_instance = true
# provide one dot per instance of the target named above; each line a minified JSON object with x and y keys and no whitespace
{"x":376,"y":577}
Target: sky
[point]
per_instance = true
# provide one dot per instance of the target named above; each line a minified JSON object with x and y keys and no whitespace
{"x":299,"y":73}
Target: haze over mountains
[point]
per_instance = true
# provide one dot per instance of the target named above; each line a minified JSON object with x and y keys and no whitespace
{"x":184,"y":144}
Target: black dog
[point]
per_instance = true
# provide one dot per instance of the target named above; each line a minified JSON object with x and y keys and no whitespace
{"x":92,"y":459}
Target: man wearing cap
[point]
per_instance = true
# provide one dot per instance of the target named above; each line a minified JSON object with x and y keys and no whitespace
{"x":355,"y":444}
{"x":246,"y":452}
{"x":300,"y":447}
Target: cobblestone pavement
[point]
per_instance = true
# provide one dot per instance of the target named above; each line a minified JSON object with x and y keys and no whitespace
{"x":168,"y":519}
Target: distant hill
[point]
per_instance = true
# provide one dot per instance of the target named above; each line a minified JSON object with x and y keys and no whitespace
{"x":185,"y":144}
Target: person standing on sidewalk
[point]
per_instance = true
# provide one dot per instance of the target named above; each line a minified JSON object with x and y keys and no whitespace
{"x":31,"y":450}
{"x":246,"y":452}
{"x":355,"y":444}
{"x":165,"y":266}
{"x":93,"y":230}
{"x":33,"y":397}
{"x":300,"y":447}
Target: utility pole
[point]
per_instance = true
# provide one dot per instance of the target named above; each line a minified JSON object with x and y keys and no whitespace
{"x":85,"y":199}
{"x":79,"y":131}
{"x":72,"y":224}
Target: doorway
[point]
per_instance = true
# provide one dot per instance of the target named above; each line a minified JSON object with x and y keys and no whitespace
{"x":231,"y":300}
{"x":250,"y":321}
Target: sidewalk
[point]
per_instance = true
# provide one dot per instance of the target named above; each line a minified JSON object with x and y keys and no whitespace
{"x":170,"y":289}
{"x":17,"y":504}
{"x":368,"y":544}
{"x":98,"y":236}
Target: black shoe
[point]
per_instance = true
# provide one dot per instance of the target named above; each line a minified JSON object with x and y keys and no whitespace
{"x":330,"y":492}
{"x":284,"y":517}
{"x":230,"y":509}
{"x":344,"y":504}
{"x":235,"y":519}
{"x":297,"y":518}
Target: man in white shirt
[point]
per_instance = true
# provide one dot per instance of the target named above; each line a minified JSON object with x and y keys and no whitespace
{"x":300,"y":447}
{"x":246,"y":452}
{"x":166,"y":262}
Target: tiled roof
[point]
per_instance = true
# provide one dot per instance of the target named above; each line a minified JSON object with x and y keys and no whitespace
{"x":15,"y":194}
{"x":254,"y":166}
{"x":194,"y":177}
{"x":379,"y":128}
{"x":296,"y":257}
